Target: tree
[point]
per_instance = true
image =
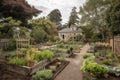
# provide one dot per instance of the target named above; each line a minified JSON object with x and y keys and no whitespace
{"x":92,"y":14}
{"x":6,"y":27}
{"x":88,"y":32}
{"x":113,"y":17}
{"x":18,"y":9}
{"x":43,"y":30}
{"x":55,"y":16}
{"x":73,"y":19}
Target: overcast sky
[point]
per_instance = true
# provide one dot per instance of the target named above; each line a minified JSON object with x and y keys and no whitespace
{"x":64,"y":6}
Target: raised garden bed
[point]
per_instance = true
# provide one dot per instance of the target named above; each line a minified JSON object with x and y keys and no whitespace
{"x":57,"y":66}
{"x":15,"y":72}
{"x":25,"y":70}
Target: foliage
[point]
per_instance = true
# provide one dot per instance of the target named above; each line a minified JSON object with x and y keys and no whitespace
{"x":6,"y":27}
{"x":106,"y":53}
{"x":88,"y":32}
{"x":73,"y":19}
{"x":87,"y":55}
{"x":56,"y":17}
{"x":92,"y":13}
{"x":47,"y":54}
{"x":97,"y":70}
{"x":12,"y":45}
{"x":113,"y":70}
{"x":113,"y":17}
{"x":107,"y":61}
{"x":43,"y":75}
{"x":20,"y":11}
{"x":17,"y":61}
{"x":43,"y":30}
{"x":62,"y":58}
{"x":39,"y":35}
{"x":60,"y":45}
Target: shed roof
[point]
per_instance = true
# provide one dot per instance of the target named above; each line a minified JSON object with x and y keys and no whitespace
{"x":69,"y":30}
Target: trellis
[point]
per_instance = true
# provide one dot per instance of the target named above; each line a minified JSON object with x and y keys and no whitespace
{"x":22,"y":43}
{"x":4,"y":43}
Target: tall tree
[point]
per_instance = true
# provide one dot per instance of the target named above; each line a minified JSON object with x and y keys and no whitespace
{"x":113,"y":17}
{"x":73,"y":19}
{"x":18,"y":9}
{"x":92,"y":14}
{"x":55,"y":16}
{"x":43,"y":30}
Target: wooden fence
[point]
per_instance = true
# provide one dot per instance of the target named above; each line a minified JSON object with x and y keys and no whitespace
{"x":115,"y":43}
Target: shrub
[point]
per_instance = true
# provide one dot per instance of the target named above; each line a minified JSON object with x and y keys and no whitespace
{"x":87,"y":56}
{"x":43,"y":75}
{"x":17,"y":61}
{"x":60,"y":45}
{"x":107,"y":61}
{"x":96,"y":70}
{"x":47,"y":54}
{"x":38,"y":56}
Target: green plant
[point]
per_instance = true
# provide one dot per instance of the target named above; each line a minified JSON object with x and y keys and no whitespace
{"x":87,"y":55}
{"x":43,"y":75}
{"x":96,"y":70}
{"x":11,"y":45}
{"x":17,"y":61}
{"x":107,"y":61}
{"x":60,"y":45}
{"x":38,"y":57}
{"x":47,"y":54}
{"x":113,"y":70}
{"x":62,"y":58}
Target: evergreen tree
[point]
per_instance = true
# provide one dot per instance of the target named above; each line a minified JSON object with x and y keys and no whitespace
{"x":56,"y":17}
{"x":73,"y":19}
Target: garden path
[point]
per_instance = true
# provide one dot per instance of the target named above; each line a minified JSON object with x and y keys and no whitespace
{"x":72,"y":71}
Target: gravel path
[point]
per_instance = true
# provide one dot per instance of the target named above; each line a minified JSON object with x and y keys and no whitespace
{"x":72,"y":71}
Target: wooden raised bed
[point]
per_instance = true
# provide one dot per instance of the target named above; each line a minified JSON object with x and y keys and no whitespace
{"x":58,"y":68}
{"x":24,"y":70}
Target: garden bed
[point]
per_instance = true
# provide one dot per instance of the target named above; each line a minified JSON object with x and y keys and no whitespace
{"x":57,"y":66}
{"x":103,"y":66}
{"x":25,"y":70}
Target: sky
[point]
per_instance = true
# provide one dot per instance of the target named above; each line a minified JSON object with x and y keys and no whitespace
{"x":64,"y":6}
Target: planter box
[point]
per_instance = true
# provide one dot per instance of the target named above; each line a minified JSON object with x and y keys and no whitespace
{"x":24,"y":70}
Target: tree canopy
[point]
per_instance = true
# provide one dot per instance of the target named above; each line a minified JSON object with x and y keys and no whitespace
{"x":92,"y":14}
{"x":18,"y":9}
{"x":43,"y":30}
{"x":6,"y":27}
{"x":55,"y":16}
{"x":113,"y":17}
{"x":73,"y":19}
